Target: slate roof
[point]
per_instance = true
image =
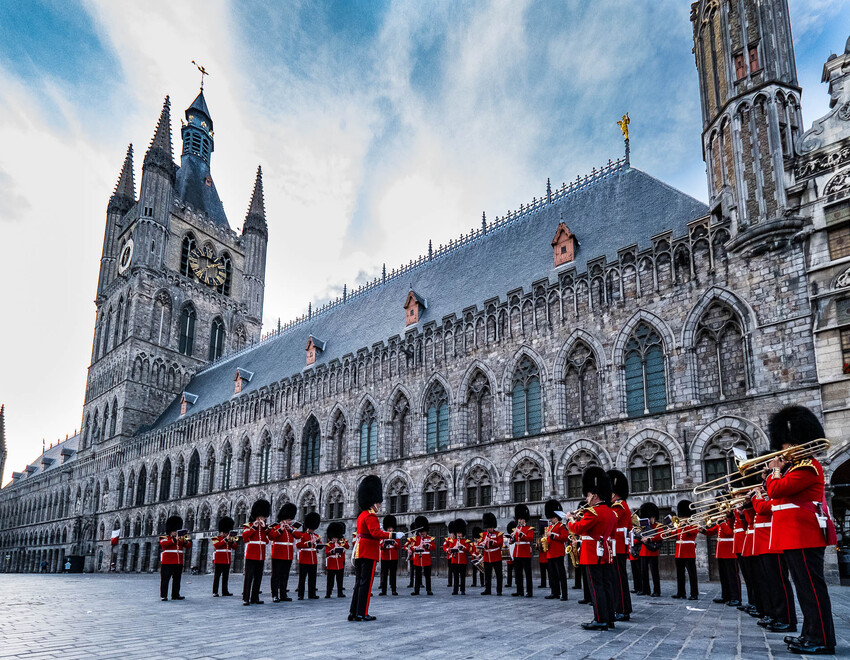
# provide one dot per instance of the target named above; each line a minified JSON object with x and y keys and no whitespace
{"x":200,"y":105}
{"x":622,"y":209}
{"x":54,"y":456}
{"x":191,"y":188}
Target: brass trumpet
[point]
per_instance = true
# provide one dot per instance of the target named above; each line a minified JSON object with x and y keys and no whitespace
{"x":748,"y":467}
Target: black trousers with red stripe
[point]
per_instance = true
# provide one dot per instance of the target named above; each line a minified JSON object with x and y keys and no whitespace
{"x":622,"y":595}
{"x":364,"y":573}
{"x":806,"y":567}
{"x":746,"y":567}
{"x":777,"y":594}
{"x":557,"y":577}
{"x":598,"y":581}
{"x":689,"y":565}
{"x":730,"y":581}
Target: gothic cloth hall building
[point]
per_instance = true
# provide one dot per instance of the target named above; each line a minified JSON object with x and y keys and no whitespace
{"x":612,"y":321}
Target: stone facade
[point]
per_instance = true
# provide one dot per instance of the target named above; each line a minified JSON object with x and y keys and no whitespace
{"x":656,"y":356}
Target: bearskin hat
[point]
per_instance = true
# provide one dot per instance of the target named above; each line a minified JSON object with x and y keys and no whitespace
{"x":334,"y":531}
{"x":551,"y":507}
{"x":173,"y":524}
{"x":342,"y":529}
{"x":261,"y":508}
{"x":390,"y":522}
{"x":226,"y":524}
{"x":489,"y":520}
{"x":476,"y":532}
{"x":511,"y":526}
{"x":521,"y":512}
{"x":595,"y":480}
{"x":619,"y":484}
{"x":683,"y":508}
{"x":451,"y":527}
{"x":287,"y":512}
{"x":649,"y":510}
{"x":312,"y":520}
{"x":370,"y":492}
{"x":460,"y":526}
{"x":793,"y":425}
{"x":420,"y":523}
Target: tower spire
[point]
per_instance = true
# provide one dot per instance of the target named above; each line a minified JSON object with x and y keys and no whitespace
{"x":160,"y":152}
{"x":256,"y":216}
{"x":124,"y":193}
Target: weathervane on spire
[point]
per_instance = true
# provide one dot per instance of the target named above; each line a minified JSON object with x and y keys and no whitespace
{"x":624,"y":125}
{"x":203,"y":73}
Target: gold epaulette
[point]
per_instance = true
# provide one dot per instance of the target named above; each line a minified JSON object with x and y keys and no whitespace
{"x":164,"y":536}
{"x":591,"y":509}
{"x":246,"y":525}
{"x":618,"y":503}
{"x":805,"y":463}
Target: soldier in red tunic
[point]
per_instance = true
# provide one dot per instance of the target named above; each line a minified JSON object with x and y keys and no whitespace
{"x":801,"y":527}
{"x":171,"y":558}
{"x":596,"y":526}
{"x":622,"y":536}
{"x":370,"y":494}
{"x":255,"y":536}
{"x":491,"y":545}
{"x":423,"y":547}
{"x":523,"y":537}
{"x":727,"y":562}
{"x":558,"y":536}
{"x":389,"y":557}
{"x":460,"y":557}
{"x":686,"y":552}
{"x":308,"y":545}
{"x":650,"y":543}
{"x":223,"y":544}
{"x":335,"y":558}
{"x":282,"y":536}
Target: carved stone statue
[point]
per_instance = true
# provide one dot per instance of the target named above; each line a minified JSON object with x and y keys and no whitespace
{"x":624,"y":125}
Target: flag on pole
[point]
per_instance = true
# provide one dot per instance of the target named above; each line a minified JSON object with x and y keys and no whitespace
{"x":115,"y":534}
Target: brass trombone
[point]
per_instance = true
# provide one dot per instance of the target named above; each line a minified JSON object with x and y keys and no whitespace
{"x":747,"y":468}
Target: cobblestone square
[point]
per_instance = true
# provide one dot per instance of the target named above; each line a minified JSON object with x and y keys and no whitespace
{"x":107,"y":616}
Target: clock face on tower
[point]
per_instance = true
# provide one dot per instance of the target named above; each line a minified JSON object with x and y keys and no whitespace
{"x":206,"y":267}
{"x":126,"y":257}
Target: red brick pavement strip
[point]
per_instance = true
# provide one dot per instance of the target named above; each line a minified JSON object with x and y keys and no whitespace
{"x":121,"y":616}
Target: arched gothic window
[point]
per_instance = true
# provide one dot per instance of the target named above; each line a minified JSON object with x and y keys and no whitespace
{"x":335,"y":504}
{"x":265,"y":459}
{"x":210,"y":470}
{"x":368,"y":435}
{"x":288,"y":445}
{"x":401,"y":427}
{"x":165,"y":481}
{"x":308,"y":503}
{"x":338,"y":430}
{"x":186,"y":248}
{"x":120,"y":489}
{"x":527,"y":413}
{"x":204,"y":520}
{"x":161,"y":319}
{"x":113,"y":424}
{"x":650,"y":468}
{"x":194,"y":474}
{"x":310,"y":445}
{"x":436,"y":492}
{"x":399,"y":496}
{"x":437,"y":411}
{"x":224,"y":287}
{"x":240,"y":338}
{"x":720,"y":355}
{"x":479,"y":490}
{"x":107,"y":331}
{"x":527,"y":481}
{"x":216,"y":339}
{"x":580,"y":460}
{"x":479,"y":410}
{"x":581,"y":385}
{"x":186,"y":344}
{"x":226,"y":466}
{"x":141,"y":486}
{"x":718,"y":458}
{"x":245,"y":458}
{"x":646,"y":384}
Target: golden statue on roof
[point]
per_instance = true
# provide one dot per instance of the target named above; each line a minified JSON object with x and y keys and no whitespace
{"x":624,"y":125}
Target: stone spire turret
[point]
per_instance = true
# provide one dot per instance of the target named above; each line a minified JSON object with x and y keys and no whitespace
{"x":256,"y":216}
{"x":124,"y":194}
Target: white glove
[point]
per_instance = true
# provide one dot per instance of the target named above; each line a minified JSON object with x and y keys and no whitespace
{"x":399,"y":535}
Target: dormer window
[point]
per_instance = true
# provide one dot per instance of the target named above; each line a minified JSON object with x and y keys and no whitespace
{"x":242,"y":376}
{"x":314,"y":346}
{"x":564,"y":245}
{"x":414,"y":305}
{"x":66,"y":453}
{"x":187,"y":400}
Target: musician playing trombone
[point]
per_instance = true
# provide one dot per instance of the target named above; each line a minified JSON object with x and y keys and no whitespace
{"x":801,"y":525}
{"x":491,"y":545}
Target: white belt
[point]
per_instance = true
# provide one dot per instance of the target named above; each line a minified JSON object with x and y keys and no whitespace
{"x":739,"y":530}
{"x":762,"y":525}
{"x":280,"y":542}
{"x":782,"y":507}
{"x":180,"y":551}
{"x":522,"y":543}
{"x":223,"y":550}
{"x":257,"y":542}
{"x":723,"y":540}
{"x":751,"y":531}
{"x":622,"y":529}
{"x":587,"y":538}
{"x":694,"y":542}
{"x":307,"y":549}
